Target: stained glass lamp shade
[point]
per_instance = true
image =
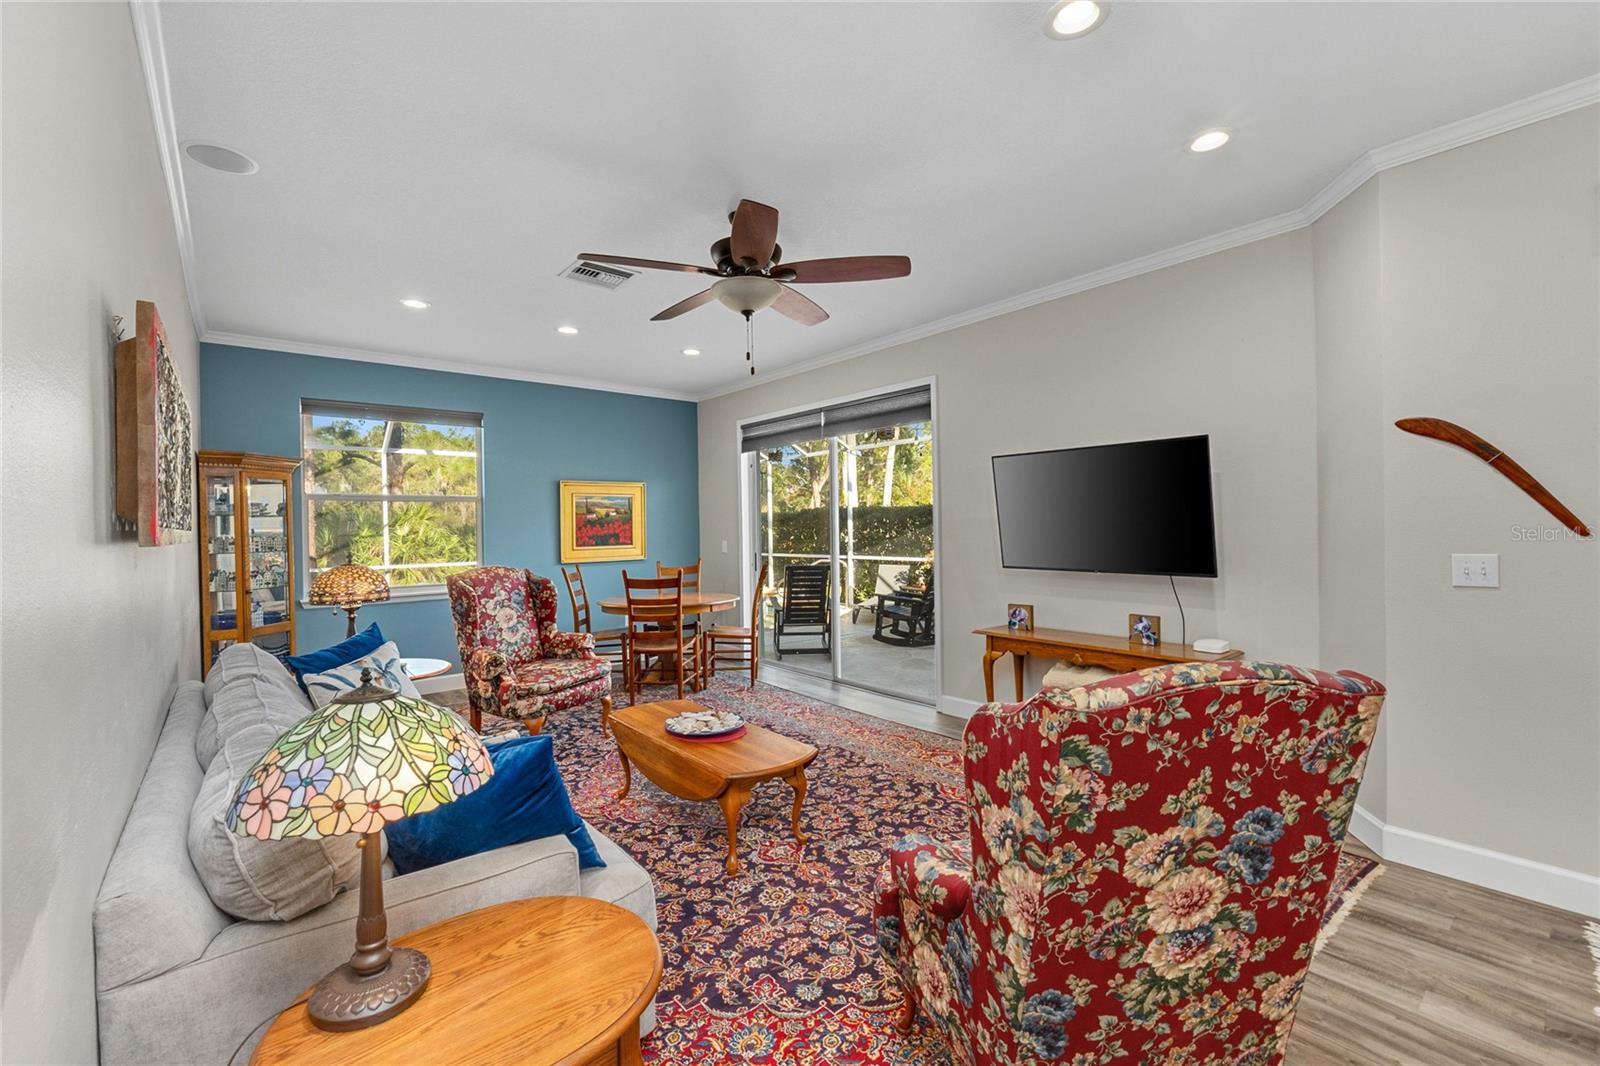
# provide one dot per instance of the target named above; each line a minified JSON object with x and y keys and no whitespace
{"x":369,"y":758}
{"x":348,"y":587}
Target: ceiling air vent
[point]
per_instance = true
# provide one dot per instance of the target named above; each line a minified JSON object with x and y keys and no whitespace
{"x":607,"y":277}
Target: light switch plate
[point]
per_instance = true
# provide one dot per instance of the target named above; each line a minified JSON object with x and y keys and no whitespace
{"x":1475,"y":571}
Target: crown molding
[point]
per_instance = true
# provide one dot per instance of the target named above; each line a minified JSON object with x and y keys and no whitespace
{"x":445,"y":366}
{"x":1536,"y":108}
{"x":158,"y":92}
{"x":1549,"y":104}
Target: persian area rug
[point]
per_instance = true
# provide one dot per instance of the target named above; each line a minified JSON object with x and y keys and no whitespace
{"x":780,"y":964}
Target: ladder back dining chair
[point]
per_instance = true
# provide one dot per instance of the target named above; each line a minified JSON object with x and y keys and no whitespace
{"x":607,"y":642}
{"x":736,"y":647}
{"x":655,"y":629}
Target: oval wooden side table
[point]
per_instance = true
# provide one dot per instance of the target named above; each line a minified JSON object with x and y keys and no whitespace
{"x":556,"y":981}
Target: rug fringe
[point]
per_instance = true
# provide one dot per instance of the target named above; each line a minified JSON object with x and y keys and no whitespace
{"x":1347,"y":905}
{"x":1591,"y":933}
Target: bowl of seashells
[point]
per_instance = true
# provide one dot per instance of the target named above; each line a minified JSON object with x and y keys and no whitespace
{"x":702,"y":724}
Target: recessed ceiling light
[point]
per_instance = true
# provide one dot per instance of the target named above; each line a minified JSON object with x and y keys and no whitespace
{"x":1074,"y":18}
{"x":1209,"y":141}
{"x":219,"y":158}
{"x":568,"y":330}
{"x":415,"y":304}
{"x":691,"y":352}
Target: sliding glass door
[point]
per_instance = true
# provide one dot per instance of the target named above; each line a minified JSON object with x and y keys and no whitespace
{"x":843,"y":521}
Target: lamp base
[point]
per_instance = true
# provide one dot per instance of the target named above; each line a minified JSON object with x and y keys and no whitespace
{"x":345,"y":1000}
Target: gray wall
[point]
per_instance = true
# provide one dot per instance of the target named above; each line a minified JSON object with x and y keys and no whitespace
{"x":1351,"y":434}
{"x":1224,"y":345}
{"x":1490,"y":318}
{"x":1464,"y":286}
{"x":96,"y":632}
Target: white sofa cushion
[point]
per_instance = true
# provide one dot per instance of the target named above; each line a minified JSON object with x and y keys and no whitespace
{"x":384,"y":663}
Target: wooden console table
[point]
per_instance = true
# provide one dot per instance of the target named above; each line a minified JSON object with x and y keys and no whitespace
{"x":1117,"y":654}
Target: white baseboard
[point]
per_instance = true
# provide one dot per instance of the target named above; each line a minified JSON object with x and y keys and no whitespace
{"x":1541,"y":882}
{"x":443,"y":683}
{"x":955,"y":705}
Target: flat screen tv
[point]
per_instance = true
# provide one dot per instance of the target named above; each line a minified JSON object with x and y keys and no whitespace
{"x":1138,"y":508}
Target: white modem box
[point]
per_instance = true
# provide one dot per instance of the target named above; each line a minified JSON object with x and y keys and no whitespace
{"x":1212,"y":645}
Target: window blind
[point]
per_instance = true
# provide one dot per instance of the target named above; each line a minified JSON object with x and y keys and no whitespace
{"x":857,"y":416}
{"x":374,"y":411}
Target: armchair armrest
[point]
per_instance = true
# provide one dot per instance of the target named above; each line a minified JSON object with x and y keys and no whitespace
{"x":559,"y":645}
{"x":484,"y":664}
{"x":933,"y":875}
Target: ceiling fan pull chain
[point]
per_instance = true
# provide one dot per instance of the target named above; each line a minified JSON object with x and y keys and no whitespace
{"x":750,"y":341}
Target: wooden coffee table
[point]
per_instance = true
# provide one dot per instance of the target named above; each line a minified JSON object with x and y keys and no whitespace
{"x":700,"y":770}
{"x":560,"y":979}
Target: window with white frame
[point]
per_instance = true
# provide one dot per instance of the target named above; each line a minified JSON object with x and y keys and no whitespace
{"x":398,"y":489}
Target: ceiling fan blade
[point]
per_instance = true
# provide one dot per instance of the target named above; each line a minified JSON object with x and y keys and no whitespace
{"x":755,"y":232}
{"x":703,"y":297}
{"x":799,"y":307}
{"x":847,"y":268}
{"x":647,"y":264}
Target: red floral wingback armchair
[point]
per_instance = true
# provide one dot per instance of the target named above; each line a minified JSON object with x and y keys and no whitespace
{"x":1149,"y":860}
{"x":517,"y":665}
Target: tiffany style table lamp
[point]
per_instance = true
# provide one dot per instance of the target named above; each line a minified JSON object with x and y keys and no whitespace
{"x":370,"y":757}
{"x":348,"y":587}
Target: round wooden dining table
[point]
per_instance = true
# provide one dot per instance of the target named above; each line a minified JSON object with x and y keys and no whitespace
{"x":693,"y":603}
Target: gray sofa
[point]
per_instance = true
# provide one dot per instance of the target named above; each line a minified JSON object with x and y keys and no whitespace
{"x":180,"y":981}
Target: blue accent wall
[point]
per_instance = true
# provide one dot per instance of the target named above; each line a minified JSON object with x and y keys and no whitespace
{"x":534,"y":437}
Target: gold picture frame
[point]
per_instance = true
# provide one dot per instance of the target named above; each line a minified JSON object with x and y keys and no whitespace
{"x":602,"y":521}
{"x":1019,"y":616}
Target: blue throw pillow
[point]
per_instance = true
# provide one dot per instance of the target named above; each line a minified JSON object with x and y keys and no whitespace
{"x":524,"y":799}
{"x":348,"y":650}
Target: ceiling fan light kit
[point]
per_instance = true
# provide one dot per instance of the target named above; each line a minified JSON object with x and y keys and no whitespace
{"x":747,"y":294}
{"x":750,"y":279}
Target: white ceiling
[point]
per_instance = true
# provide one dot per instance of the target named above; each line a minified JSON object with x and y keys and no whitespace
{"x":465,"y":154}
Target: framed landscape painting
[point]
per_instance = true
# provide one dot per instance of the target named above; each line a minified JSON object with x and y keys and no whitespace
{"x":154,"y":429}
{"x":602,"y":520}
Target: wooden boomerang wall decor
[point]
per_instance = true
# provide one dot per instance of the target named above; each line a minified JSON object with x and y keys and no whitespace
{"x":1450,"y":433}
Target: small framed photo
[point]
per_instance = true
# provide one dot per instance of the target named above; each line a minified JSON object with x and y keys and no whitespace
{"x":1020,"y":616}
{"x":1144,"y":629}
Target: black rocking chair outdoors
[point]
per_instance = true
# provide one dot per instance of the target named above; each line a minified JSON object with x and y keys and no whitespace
{"x":905,"y":618}
{"x":804,"y":612}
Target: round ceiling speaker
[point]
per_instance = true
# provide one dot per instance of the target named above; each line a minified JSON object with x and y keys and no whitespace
{"x":219,"y":158}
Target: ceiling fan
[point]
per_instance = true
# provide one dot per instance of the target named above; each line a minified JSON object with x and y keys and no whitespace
{"x":753,"y":276}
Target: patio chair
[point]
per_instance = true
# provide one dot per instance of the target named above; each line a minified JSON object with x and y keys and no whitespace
{"x":804,"y":611}
{"x":890,"y":577}
{"x":904,"y":618}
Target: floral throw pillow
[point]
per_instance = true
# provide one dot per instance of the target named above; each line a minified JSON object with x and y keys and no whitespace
{"x":386,"y":673}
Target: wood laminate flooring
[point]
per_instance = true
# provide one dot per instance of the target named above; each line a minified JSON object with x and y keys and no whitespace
{"x":1429,"y":970}
{"x":1426,"y":971}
